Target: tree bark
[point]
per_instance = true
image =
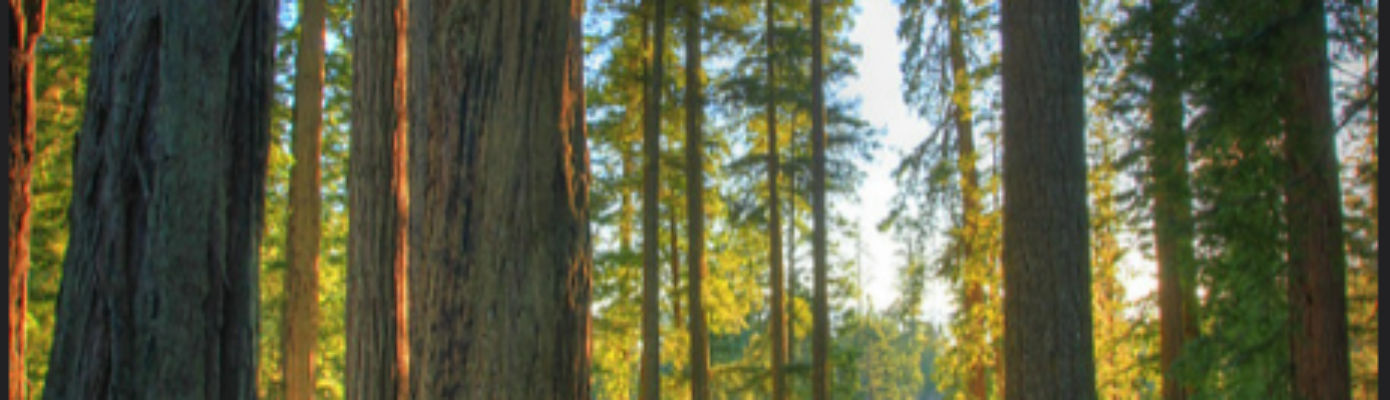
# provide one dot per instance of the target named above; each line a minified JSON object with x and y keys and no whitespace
{"x":378,"y":349}
{"x":1317,"y":258}
{"x":778,"y":320}
{"x":1173,"y":227}
{"x":820,"y":314}
{"x":1047,"y":334}
{"x":26,"y":21}
{"x":961,"y":93}
{"x":695,"y":194}
{"x":500,"y":254}
{"x":300,"y":325}
{"x":651,"y":217}
{"x":159,"y":291}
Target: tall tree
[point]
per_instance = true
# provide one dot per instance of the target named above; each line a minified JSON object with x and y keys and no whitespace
{"x":820,"y":315}
{"x":160,"y":281}
{"x":378,"y":348}
{"x":1048,"y":350}
{"x":778,"y":321}
{"x":300,"y":323}
{"x":695,"y":212}
{"x":651,"y":229}
{"x":26,"y":19}
{"x":1172,"y":197}
{"x":500,"y":252}
{"x":1317,"y":258}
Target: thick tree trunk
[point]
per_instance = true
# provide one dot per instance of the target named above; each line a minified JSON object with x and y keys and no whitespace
{"x":778,"y":321}
{"x":300,"y":324}
{"x":1173,"y":228}
{"x":961,"y":94}
{"x":1317,"y":258}
{"x":500,"y":254}
{"x":820,"y":310}
{"x":159,"y":290}
{"x":26,"y":21}
{"x":651,"y":217}
{"x":695,"y":202}
{"x":1047,"y":334}
{"x":378,"y":352}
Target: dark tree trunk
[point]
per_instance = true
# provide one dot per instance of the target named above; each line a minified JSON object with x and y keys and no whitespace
{"x":778,"y":322}
{"x":26,"y":22}
{"x":500,"y":254}
{"x":651,"y":217}
{"x":695,"y":198}
{"x":1172,"y":203}
{"x":1047,"y":306}
{"x":300,"y":324}
{"x":820,"y":310}
{"x":159,"y":291}
{"x":1317,"y":258}
{"x":378,"y":351}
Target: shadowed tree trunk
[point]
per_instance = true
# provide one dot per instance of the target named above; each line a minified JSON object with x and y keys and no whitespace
{"x":26,"y":22}
{"x":1047,"y":328}
{"x":695,"y":198}
{"x":500,"y":253}
{"x":1172,"y":203}
{"x":300,"y":325}
{"x":820,"y":314}
{"x":778,"y":322}
{"x":651,"y":217}
{"x":1317,"y":258}
{"x":378,"y":352}
{"x":159,"y":290}
{"x":961,"y":94}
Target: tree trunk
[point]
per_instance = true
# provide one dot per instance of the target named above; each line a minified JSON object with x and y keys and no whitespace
{"x":1173,"y":228}
{"x":300,"y":324}
{"x":675,"y":273}
{"x":26,"y":21}
{"x":820,"y":314}
{"x":159,"y":291}
{"x":378,"y":352}
{"x":500,"y":254}
{"x":791,"y":260}
{"x":1317,"y":258}
{"x":961,"y":93}
{"x":778,"y":320}
{"x":651,"y":217}
{"x":695,"y":198}
{"x":1047,"y":334}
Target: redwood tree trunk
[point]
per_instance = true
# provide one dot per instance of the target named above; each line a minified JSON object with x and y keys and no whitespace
{"x":159,"y":290}
{"x":378,"y":352}
{"x":1047,"y":303}
{"x":651,"y":217}
{"x":300,"y":324}
{"x":1173,"y":228}
{"x":26,"y":21}
{"x":778,"y":321}
{"x":820,"y":310}
{"x":500,"y":254}
{"x":695,"y":202}
{"x":1317,"y":258}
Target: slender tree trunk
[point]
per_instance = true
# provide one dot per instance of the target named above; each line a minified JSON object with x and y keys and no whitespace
{"x":962,"y":90}
{"x":695,"y":198}
{"x":300,"y":324}
{"x":791,"y":261}
{"x":1047,"y":333}
{"x":675,"y":273}
{"x":26,"y":21}
{"x":378,"y":349}
{"x":500,"y":254}
{"x":651,"y":217}
{"x":1317,"y":258}
{"x":159,"y":291}
{"x":1173,"y":228}
{"x":778,"y":322}
{"x":820,"y":310}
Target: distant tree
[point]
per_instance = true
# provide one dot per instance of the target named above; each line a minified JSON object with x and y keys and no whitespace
{"x":300,"y":326}
{"x":651,"y":217}
{"x":26,"y":19}
{"x":159,"y":291}
{"x":695,"y":214}
{"x":777,"y":324}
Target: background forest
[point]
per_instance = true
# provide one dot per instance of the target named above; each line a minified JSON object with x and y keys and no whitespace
{"x":945,"y":216}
